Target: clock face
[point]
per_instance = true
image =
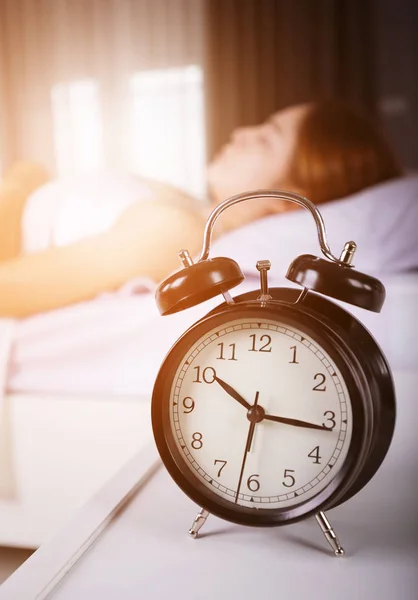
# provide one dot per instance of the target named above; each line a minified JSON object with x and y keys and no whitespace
{"x":259,"y":414}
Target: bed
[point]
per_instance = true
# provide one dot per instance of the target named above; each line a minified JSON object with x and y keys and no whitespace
{"x":57,"y":450}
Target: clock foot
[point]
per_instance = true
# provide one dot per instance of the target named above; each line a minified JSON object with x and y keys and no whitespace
{"x":199,"y":521}
{"x":329,"y":533}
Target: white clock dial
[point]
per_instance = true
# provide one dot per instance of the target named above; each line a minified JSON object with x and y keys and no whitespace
{"x":286,"y":449}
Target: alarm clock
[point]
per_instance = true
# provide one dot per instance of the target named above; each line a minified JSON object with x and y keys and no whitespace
{"x":278,"y":404}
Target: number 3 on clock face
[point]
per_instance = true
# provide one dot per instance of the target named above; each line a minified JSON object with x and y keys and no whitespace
{"x":256,"y":417}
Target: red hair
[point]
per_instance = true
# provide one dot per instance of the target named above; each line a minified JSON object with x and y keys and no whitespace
{"x":339,"y":153}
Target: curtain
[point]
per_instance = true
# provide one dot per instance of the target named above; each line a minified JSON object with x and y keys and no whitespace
{"x":67,"y":65}
{"x":262,"y":55}
{"x":65,"y":60}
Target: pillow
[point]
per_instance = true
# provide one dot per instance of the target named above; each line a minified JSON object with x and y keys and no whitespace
{"x":382,"y":220}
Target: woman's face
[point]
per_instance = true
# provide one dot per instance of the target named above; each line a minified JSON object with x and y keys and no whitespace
{"x":256,"y":157}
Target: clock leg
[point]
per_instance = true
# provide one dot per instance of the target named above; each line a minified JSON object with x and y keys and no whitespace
{"x":199,"y":521}
{"x":329,"y":533}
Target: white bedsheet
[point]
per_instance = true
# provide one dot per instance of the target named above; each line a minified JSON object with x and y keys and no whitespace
{"x":6,"y":342}
{"x":116,"y":344}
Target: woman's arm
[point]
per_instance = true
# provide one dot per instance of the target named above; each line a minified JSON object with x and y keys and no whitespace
{"x":15,"y":187}
{"x":144,"y":242}
{"x":12,"y":203}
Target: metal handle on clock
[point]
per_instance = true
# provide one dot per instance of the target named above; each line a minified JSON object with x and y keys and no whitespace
{"x":281,"y":195}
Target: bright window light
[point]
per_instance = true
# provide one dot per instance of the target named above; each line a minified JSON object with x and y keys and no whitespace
{"x":77,"y":126}
{"x":168,"y":133}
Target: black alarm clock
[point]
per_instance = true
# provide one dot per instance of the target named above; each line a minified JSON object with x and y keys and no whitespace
{"x":278,"y":404}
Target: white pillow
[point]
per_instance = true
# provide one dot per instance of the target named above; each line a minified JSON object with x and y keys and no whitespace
{"x":382,"y":220}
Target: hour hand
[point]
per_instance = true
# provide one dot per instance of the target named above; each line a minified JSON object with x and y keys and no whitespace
{"x":233,"y":393}
{"x":296,"y":422}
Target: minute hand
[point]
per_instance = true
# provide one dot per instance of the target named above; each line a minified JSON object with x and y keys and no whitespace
{"x":296,"y":422}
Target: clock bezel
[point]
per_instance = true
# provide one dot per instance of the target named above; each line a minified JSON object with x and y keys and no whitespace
{"x":359,"y":394}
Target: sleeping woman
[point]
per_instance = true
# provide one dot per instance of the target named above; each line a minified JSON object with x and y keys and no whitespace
{"x":93,"y":234}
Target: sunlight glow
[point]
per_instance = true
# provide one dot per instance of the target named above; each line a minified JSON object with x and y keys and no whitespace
{"x":168,"y":129}
{"x":77,"y":126}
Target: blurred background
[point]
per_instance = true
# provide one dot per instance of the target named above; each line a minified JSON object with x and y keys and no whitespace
{"x":156,"y":86}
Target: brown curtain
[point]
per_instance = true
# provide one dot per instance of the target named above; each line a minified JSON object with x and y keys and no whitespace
{"x":262,"y":55}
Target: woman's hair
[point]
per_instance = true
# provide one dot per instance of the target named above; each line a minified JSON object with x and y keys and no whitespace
{"x":339,"y":153}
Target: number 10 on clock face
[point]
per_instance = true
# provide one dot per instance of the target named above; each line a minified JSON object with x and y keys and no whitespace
{"x":256,"y":418}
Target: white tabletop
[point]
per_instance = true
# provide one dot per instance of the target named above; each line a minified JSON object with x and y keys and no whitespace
{"x":56,"y":451}
{"x":142,"y":550}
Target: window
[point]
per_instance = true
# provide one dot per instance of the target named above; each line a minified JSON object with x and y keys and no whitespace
{"x":167,"y":133}
{"x":166,"y":129}
{"x":77,"y":126}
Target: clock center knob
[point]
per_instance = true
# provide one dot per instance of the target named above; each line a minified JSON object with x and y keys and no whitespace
{"x":256,"y":414}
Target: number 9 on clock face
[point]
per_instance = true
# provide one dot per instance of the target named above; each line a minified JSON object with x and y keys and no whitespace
{"x":254,"y":418}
